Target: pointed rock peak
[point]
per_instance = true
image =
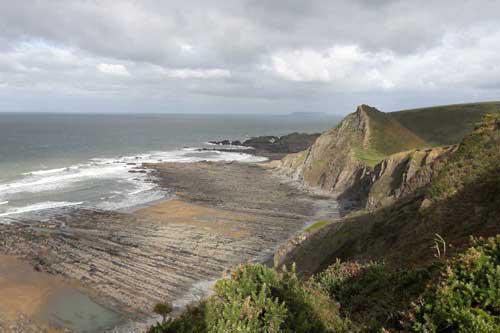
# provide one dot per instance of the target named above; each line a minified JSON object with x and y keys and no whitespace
{"x":363,"y":108}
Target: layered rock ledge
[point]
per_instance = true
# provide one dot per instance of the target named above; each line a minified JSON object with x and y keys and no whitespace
{"x":224,"y":214}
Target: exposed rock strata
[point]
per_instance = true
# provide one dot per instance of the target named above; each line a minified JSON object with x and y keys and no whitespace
{"x":401,"y":174}
{"x":365,"y":160}
{"x":230,"y":213}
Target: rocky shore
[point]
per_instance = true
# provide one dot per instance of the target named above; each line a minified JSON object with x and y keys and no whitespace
{"x":270,"y":146}
{"x":223,"y":214}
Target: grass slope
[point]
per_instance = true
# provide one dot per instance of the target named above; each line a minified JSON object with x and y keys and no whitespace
{"x":462,"y":200}
{"x":447,"y":124}
{"x":386,"y":136}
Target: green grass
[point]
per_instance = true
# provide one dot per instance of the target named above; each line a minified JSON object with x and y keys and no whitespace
{"x":463,"y":199}
{"x":386,"y":136}
{"x":316,"y":226}
{"x":369,"y":157}
{"x":444,"y":125}
{"x":389,"y":136}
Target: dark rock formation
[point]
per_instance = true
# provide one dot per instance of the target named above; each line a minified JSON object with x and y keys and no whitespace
{"x":273,"y":147}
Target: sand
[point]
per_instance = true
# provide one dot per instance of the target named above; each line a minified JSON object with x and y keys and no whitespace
{"x":22,"y":289}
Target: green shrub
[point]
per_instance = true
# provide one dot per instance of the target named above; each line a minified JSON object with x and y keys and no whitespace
{"x":462,"y":295}
{"x":191,"y":320}
{"x":468,"y":297}
{"x":259,"y":299}
{"x":248,"y":302}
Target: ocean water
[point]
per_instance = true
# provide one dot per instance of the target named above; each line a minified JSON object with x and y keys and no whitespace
{"x":51,"y":161}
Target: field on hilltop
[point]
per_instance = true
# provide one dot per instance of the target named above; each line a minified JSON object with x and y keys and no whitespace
{"x":446,"y":124}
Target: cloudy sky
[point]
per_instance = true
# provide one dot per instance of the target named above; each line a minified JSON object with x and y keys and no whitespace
{"x":246,"y":55}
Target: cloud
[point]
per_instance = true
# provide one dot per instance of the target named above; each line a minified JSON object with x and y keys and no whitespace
{"x":187,"y":73}
{"x":339,"y":52}
{"x":459,"y":61}
{"x":347,"y":66}
{"x":113,"y":69}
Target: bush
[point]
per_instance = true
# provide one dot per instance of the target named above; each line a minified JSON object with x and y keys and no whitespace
{"x":468,"y":297}
{"x":259,"y":299}
{"x":462,"y":295}
{"x":163,"y":309}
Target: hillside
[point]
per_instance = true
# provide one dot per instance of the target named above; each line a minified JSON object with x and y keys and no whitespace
{"x":461,"y":199}
{"x":341,"y":156}
{"x":408,"y":267}
{"x":373,"y":158}
{"x":447,"y":124}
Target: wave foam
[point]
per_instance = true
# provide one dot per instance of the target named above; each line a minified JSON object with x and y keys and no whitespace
{"x":136,"y":189}
{"x":39,"y":206}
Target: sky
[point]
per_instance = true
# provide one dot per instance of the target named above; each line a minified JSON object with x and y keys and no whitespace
{"x":241,"y":56}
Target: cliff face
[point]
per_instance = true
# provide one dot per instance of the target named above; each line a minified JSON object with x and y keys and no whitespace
{"x":346,"y":160}
{"x":330,"y":162}
{"x":402,"y":174}
{"x":459,"y":197}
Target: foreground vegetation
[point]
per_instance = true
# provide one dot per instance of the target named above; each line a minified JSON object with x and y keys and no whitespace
{"x":457,"y":295}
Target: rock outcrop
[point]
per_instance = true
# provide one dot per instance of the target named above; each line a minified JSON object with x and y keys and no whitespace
{"x":342,"y":159}
{"x":270,"y":146}
{"x":453,"y":192}
{"x":401,"y":174}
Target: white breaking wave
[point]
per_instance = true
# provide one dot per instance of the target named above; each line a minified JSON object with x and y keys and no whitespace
{"x":39,"y":182}
{"x":39,"y":206}
{"x":236,"y":147}
{"x":46,"y":172}
{"x":102,"y":175}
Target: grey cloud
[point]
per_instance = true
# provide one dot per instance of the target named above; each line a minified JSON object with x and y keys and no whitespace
{"x":224,"y":50}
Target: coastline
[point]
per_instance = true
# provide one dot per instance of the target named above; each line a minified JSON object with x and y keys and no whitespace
{"x":222,"y":214}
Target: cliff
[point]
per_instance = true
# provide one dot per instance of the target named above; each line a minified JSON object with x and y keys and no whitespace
{"x":459,"y":198}
{"x":342,"y":159}
{"x":401,"y":174}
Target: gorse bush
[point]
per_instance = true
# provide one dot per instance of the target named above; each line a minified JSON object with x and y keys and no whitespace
{"x":459,"y":295}
{"x":259,"y":299}
{"x":248,"y":302}
{"x":468,"y":297}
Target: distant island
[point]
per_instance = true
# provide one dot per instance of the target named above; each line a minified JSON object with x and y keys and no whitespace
{"x":308,"y":114}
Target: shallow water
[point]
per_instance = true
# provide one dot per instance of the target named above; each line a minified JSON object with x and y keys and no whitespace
{"x":48,"y":299}
{"x":72,"y":309}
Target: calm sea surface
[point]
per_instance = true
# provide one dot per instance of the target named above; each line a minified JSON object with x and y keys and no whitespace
{"x":49,"y":161}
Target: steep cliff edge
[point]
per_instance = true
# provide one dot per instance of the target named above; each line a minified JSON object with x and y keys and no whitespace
{"x":461,"y":199}
{"x":401,"y":174}
{"x":342,"y":159}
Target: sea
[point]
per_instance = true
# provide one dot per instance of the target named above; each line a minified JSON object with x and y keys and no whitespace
{"x":50,"y":161}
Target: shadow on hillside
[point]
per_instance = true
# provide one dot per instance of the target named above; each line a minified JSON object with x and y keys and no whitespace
{"x":403,"y":233}
{"x":374,"y":295}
